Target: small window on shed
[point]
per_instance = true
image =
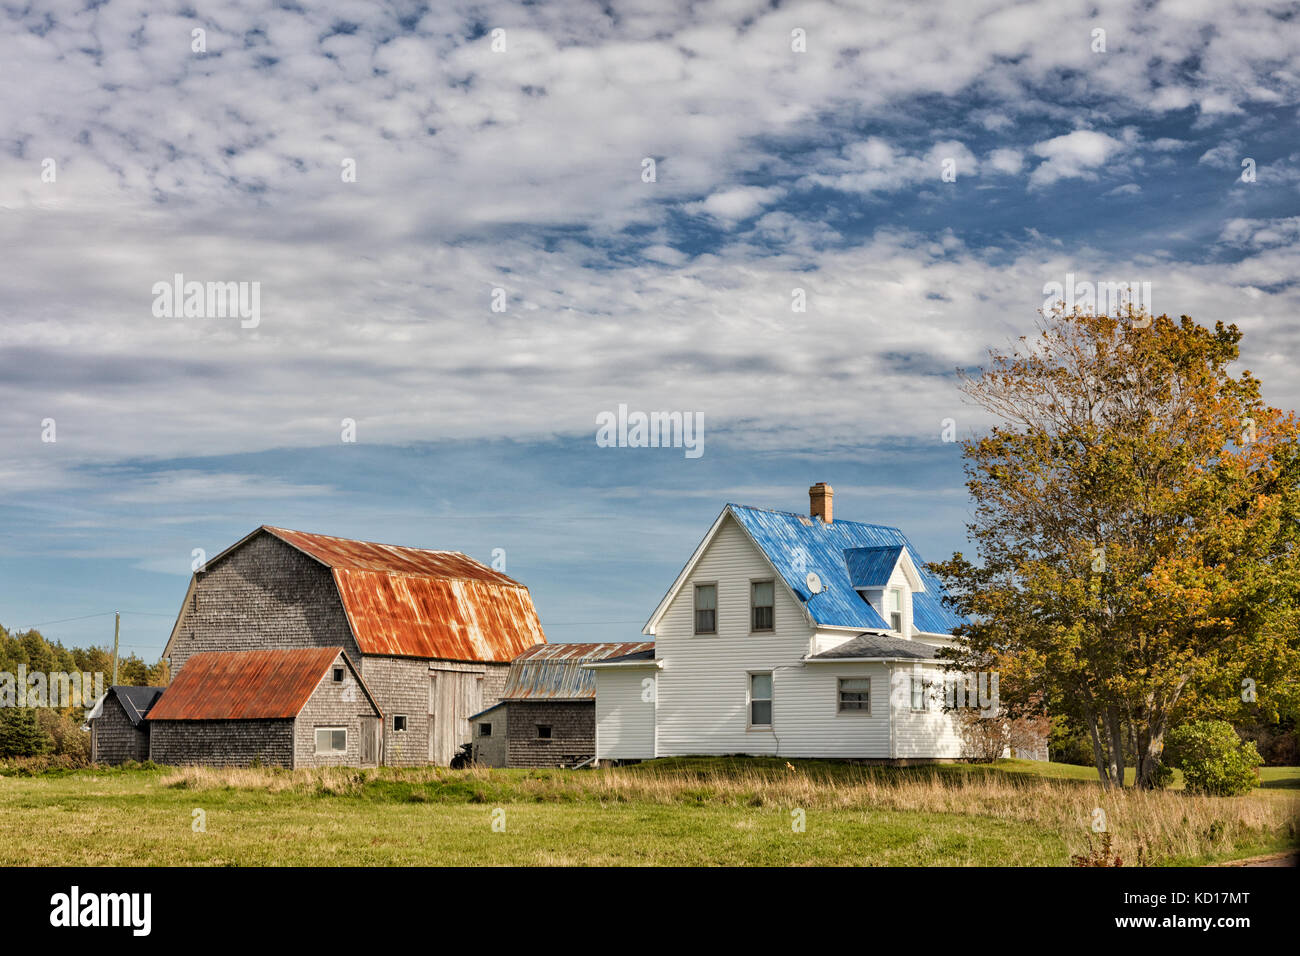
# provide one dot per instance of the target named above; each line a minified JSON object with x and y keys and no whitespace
{"x":331,"y":740}
{"x":543,"y":731}
{"x":399,"y":722}
{"x":485,"y":730}
{"x":338,"y":675}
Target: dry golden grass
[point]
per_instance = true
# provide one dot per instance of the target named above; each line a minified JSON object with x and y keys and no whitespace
{"x":1145,"y":826}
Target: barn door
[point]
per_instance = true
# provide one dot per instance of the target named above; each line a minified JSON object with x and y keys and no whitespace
{"x":454,"y":696}
{"x":369,"y":741}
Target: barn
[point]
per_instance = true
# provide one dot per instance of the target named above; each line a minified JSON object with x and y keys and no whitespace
{"x":546,"y":716}
{"x":118,"y":730}
{"x":303,"y":707}
{"x":431,"y":633}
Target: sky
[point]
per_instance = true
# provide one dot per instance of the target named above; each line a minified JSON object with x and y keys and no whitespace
{"x":472,"y":229}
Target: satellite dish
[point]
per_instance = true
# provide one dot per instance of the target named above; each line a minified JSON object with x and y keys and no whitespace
{"x":814,"y":583}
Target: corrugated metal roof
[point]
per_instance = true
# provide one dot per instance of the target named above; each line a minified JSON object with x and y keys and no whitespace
{"x":555,"y":671}
{"x":410,"y":602}
{"x":872,"y":567}
{"x":244,"y":685}
{"x":797,"y":544}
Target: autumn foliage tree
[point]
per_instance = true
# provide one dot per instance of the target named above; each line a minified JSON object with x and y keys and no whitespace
{"x":1136,"y":521}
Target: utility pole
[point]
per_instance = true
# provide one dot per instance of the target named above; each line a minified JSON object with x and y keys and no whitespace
{"x":117,"y":630}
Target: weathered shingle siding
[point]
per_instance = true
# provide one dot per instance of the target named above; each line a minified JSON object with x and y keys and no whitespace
{"x":401,"y":686}
{"x":491,"y":751}
{"x":263,"y":595}
{"x":222,"y":743}
{"x":114,"y":739}
{"x":573,"y":732}
{"x":330,"y":706}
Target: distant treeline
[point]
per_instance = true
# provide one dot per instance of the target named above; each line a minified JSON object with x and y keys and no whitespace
{"x":31,"y":731}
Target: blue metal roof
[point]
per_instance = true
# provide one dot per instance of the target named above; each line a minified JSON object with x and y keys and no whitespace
{"x":872,"y":567}
{"x":797,"y":544}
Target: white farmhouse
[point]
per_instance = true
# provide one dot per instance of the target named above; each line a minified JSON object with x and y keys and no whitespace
{"x":790,"y":635}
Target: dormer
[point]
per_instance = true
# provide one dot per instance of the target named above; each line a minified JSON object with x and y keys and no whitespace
{"x":886,"y":578}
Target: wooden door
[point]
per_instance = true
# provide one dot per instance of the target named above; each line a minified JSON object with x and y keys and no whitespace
{"x":453,"y":697}
{"x":370,"y":741}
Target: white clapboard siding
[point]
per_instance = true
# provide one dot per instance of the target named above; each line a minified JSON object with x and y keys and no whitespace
{"x":928,"y":733}
{"x":625,"y":722}
{"x":704,"y":682}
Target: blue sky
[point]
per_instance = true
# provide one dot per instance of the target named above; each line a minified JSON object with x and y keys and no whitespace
{"x":520,"y":169}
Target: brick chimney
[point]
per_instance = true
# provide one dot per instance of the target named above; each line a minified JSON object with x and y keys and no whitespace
{"x":819,"y":501}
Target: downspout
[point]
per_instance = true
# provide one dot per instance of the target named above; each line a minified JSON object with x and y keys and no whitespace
{"x":893,"y":747}
{"x":774,"y":735}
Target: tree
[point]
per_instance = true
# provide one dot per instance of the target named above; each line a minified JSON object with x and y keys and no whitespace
{"x":1136,"y":523}
{"x":1214,"y":759}
{"x":20,"y":735}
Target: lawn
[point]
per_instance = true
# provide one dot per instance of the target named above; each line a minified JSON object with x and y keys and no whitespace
{"x":696,"y":811}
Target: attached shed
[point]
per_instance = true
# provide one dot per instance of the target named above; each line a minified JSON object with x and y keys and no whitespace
{"x":304,"y":707}
{"x":547,"y":713}
{"x":118,"y":729}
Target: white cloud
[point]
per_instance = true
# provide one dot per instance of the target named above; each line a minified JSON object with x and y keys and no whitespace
{"x":1072,"y":156}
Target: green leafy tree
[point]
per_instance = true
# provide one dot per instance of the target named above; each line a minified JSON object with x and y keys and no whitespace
{"x":1137,"y":523}
{"x":1213,"y":758}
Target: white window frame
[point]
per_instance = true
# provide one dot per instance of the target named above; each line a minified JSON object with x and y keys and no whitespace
{"x":695,"y":608}
{"x":752,"y":606}
{"x":918,"y":682}
{"x":332,"y":750}
{"x":839,"y":695}
{"x":750,"y":698}
{"x":900,"y":610}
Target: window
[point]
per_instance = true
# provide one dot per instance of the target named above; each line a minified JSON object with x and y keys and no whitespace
{"x":706,"y":609}
{"x":855,"y":694}
{"x":895,"y":605}
{"x":760,"y":605}
{"x":338,"y":675}
{"x":485,"y":730}
{"x":760,"y":700}
{"x":919,"y":701}
{"x":543,"y":731}
{"x":331,"y":740}
{"x":399,"y":722}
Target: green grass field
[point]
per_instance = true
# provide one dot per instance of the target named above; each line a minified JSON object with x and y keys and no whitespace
{"x":697,"y":811}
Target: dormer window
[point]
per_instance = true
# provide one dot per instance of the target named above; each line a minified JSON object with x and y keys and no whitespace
{"x":894,"y":607}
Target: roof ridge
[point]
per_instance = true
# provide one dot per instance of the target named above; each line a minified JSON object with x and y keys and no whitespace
{"x":378,"y":544}
{"x":797,"y":514}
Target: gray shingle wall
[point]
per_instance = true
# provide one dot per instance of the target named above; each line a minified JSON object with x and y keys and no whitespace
{"x":573,"y":732}
{"x":113,"y":739}
{"x":222,"y":743}
{"x":401,"y":686}
{"x":264,"y":595}
{"x":332,"y":705}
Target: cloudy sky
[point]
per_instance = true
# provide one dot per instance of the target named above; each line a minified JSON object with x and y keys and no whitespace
{"x":638,"y":188}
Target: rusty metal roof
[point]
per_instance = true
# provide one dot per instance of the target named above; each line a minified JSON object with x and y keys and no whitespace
{"x":409,"y":602}
{"x":244,"y":685}
{"x":555,"y":671}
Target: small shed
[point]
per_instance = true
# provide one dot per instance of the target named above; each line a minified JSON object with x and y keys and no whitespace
{"x":304,"y":707}
{"x":118,"y":729}
{"x":547,"y":713}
